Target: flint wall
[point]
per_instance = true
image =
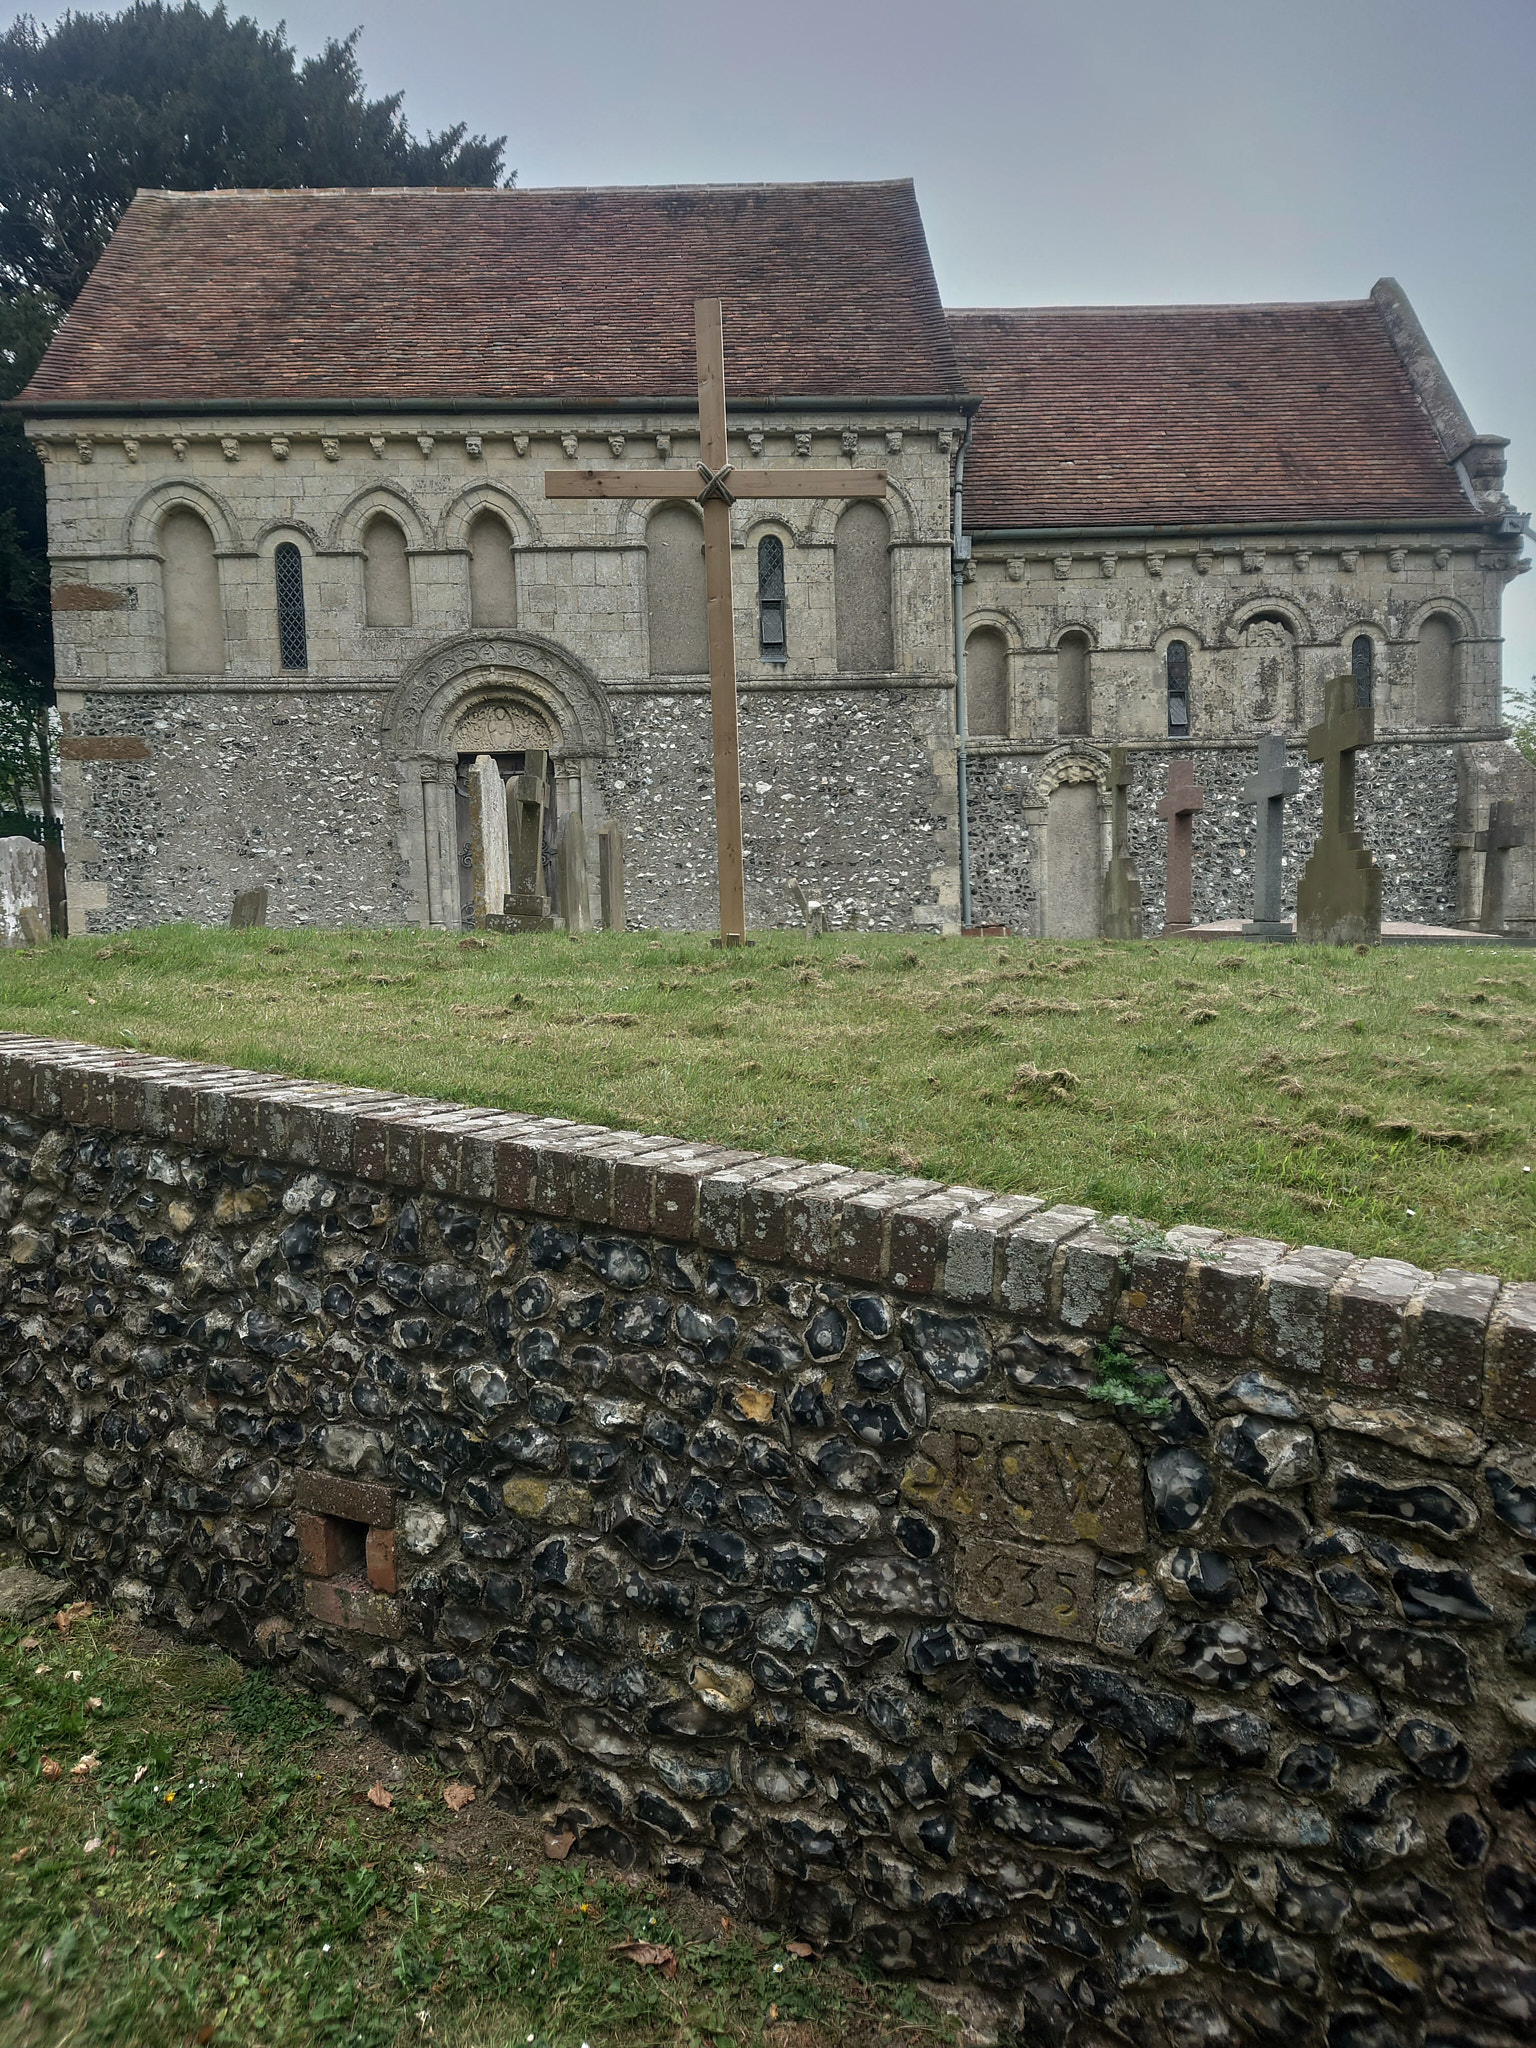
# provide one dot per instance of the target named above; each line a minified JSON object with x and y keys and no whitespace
{"x":760,"y":1519}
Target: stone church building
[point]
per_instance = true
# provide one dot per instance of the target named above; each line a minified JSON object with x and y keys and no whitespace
{"x":305,"y":569}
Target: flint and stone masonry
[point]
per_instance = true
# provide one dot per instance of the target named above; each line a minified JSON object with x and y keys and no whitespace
{"x":766,"y":1523}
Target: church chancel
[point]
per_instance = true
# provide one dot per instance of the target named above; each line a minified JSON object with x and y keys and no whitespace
{"x":464,"y":501}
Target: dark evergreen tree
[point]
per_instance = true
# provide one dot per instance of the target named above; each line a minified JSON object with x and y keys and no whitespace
{"x":164,"y":96}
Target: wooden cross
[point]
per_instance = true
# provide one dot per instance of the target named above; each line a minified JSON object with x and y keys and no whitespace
{"x":1267,"y":788}
{"x":1506,"y":829}
{"x":1178,"y":807}
{"x":713,"y":485}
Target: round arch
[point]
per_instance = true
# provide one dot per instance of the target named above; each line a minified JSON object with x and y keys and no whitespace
{"x":461,"y":511}
{"x":1441,"y":607}
{"x":140,"y":528}
{"x":1295,"y":619}
{"x":347,"y":528}
{"x":1080,"y":627}
{"x":276,"y":531}
{"x":1066,"y":764}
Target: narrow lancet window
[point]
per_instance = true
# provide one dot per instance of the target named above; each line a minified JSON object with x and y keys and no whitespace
{"x":292,"y":631}
{"x":771,"y":641}
{"x":1362,"y":666}
{"x":1178,"y":688}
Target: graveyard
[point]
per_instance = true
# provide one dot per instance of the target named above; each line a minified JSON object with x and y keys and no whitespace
{"x":1381,"y":1101}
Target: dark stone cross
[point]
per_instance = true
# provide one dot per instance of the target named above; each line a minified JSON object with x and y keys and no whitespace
{"x":1268,"y":787}
{"x":1122,"y":885}
{"x":1178,"y":807}
{"x":1506,"y":830}
{"x":1339,"y":900}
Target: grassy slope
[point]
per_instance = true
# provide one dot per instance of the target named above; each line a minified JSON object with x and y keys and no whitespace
{"x":240,"y":1888}
{"x":1383,"y":1102}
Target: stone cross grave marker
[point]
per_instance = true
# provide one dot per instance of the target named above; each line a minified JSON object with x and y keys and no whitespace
{"x":488,"y":839}
{"x":1339,"y":900}
{"x":1267,"y":788}
{"x":1506,"y":830}
{"x":1122,"y":884}
{"x":721,"y":485}
{"x":248,"y":909}
{"x":1178,"y":808}
{"x":571,"y":874}
{"x":610,"y":874}
{"x":527,"y":799}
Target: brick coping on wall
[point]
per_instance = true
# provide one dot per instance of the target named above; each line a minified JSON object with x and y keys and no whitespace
{"x":1464,"y":1341}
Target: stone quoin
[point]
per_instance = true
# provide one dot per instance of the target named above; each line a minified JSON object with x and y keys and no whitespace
{"x":759,"y":1521}
{"x":307,"y":570}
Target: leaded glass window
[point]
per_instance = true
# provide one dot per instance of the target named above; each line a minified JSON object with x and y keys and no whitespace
{"x":1362,"y":666}
{"x":771,"y":639}
{"x":292,"y":632}
{"x":1178,"y":687}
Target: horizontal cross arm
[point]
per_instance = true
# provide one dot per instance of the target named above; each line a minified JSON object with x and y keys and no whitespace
{"x":807,"y":483}
{"x":621,"y":483}
{"x":742,"y":483}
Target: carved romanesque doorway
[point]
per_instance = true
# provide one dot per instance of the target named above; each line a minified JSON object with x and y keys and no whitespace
{"x":507,"y":732}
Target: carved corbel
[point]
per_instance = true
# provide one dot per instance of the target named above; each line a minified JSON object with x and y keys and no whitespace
{"x":330,"y":448}
{"x":1155,"y":563}
{"x":1015,"y":568}
{"x":179,"y":448}
{"x":1349,"y":560}
{"x":130,"y":447}
{"x":230,"y":443}
{"x":1397,"y":560}
{"x":802,"y":444}
{"x":520,"y":444}
{"x":663,"y":445}
{"x":426,"y":443}
{"x":281,"y":447}
{"x":851,"y":443}
{"x":1442,"y":559}
{"x":1107,"y":566}
{"x":474,"y":447}
{"x":1204,"y":562}
{"x":893,"y":440}
{"x":1253,"y":561}
{"x":1062,"y":567}
{"x":616,"y":443}
{"x":568,"y":443}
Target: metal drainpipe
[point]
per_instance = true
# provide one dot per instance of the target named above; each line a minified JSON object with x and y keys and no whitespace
{"x":957,"y":574}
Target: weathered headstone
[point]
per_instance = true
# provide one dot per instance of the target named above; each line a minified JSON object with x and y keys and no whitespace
{"x":817,"y":923}
{"x":1122,"y":885}
{"x":1267,"y":789}
{"x":23,"y":887}
{"x":1507,"y":829}
{"x":1339,"y":900}
{"x":34,"y":932}
{"x":610,"y":874}
{"x":571,"y":897}
{"x":488,"y":839}
{"x":528,"y":908}
{"x":248,"y":910}
{"x":1184,"y":797}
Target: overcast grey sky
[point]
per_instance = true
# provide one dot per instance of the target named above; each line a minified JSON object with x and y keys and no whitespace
{"x":1065,"y":151}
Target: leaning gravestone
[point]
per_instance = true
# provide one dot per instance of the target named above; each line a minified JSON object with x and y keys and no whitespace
{"x":528,"y":908}
{"x":248,"y":910}
{"x":488,"y":839}
{"x":23,"y":887}
{"x":1507,"y":829}
{"x":1122,"y":885}
{"x":1339,"y":900}
{"x":610,"y":874}
{"x":571,"y":874}
{"x":1178,"y":808}
{"x":1267,"y":788}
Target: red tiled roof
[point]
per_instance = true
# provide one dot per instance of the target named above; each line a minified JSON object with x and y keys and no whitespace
{"x":422,"y":296}
{"x":1172,"y":415}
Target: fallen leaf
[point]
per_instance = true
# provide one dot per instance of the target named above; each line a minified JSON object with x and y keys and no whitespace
{"x":648,"y":1955}
{"x":802,"y":1949}
{"x":20,"y":1855}
{"x":377,"y":1796}
{"x":456,"y":1797}
{"x":66,"y":1617}
{"x":93,"y":1845}
{"x":206,"y":2033}
{"x":88,"y":1763}
{"x":31,"y":1642}
{"x":558,"y":1847}
{"x":52,"y":1770}
{"x":93,"y":1705}
{"x":141,"y":1772}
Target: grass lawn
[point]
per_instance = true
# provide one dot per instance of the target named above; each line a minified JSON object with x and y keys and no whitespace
{"x":217,"y":1874}
{"x":1383,"y":1102}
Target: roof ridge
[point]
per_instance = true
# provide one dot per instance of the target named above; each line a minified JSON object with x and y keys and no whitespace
{"x":1190,"y":306}
{"x":517,"y":191}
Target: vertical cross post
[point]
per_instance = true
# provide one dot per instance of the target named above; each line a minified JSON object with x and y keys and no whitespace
{"x":1178,"y":808}
{"x":709,"y":341}
{"x":1121,"y":917}
{"x":1338,"y":902}
{"x":1506,"y":830}
{"x":1267,"y":788}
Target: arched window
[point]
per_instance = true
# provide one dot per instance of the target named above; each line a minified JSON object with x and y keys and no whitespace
{"x":189,"y":586}
{"x":1362,"y":666}
{"x":986,"y":683}
{"x":861,"y":571}
{"x":292,"y":629}
{"x":674,"y":592}
{"x":1435,"y":671}
{"x":492,"y":572}
{"x":1178,"y":688}
{"x":1074,"y":685}
{"x":386,"y":574}
{"x":772,"y":644}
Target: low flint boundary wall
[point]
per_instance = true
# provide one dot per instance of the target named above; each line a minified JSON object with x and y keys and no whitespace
{"x":766,"y":1522}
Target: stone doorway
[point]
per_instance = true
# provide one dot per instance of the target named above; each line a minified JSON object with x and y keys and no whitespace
{"x":507,"y":765}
